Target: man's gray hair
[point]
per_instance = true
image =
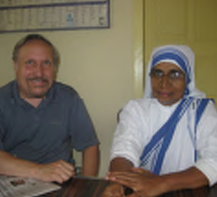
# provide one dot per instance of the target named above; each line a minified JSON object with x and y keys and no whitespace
{"x":31,"y":37}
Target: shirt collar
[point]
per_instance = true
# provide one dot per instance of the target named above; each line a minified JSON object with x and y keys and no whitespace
{"x":16,"y":96}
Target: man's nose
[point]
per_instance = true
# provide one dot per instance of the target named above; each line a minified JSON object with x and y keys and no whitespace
{"x":39,"y":69}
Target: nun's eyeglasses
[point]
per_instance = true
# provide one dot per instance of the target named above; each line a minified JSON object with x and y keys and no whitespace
{"x":172,"y":75}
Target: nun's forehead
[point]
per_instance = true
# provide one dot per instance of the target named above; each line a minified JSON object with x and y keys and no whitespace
{"x":170,"y":54}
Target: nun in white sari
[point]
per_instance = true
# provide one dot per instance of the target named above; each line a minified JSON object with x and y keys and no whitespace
{"x":171,"y":133}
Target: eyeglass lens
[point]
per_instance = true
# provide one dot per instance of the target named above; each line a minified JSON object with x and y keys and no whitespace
{"x":172,"y":74}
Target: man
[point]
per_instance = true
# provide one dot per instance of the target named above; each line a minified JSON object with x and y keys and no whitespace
{"x":41,"y":120}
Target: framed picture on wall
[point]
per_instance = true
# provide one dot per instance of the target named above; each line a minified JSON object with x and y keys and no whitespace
{"x":51,"y":15}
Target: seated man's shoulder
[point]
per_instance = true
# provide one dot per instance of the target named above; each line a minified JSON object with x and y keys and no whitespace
{"x":6,"y":96}
{"x":6,"y":89}
{"x":65,"y":90}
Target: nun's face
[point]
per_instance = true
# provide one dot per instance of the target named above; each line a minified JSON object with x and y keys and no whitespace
{"x":168,"y":83}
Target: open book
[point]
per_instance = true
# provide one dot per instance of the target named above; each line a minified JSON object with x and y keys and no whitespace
{"x":24,"y":187}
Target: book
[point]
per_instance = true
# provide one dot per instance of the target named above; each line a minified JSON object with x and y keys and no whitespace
{"x":11,"y":186}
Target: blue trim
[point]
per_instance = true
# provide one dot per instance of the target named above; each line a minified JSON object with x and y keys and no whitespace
{"x":53,"y":5}
{"x":165,"y":133}
{"x":202,"y":103}
{"x":171,"y":56}
{"x":105,"y":25}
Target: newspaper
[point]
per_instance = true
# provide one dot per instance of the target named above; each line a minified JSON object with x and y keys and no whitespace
{"x":24,"y":187}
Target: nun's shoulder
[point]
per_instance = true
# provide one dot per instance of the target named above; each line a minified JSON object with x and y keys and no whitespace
{"x":144,"y":104}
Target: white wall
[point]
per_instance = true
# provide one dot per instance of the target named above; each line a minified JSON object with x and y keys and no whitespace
{"x":97,"y":63}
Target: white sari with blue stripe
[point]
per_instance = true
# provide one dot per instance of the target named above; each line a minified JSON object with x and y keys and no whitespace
{"x":154,"y":152}
{"x":166,"y":139}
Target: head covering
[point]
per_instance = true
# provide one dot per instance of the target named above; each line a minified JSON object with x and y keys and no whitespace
{"x":183,"y":57}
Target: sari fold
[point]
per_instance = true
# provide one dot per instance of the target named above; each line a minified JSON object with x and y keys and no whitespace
{"x":154,"y":152}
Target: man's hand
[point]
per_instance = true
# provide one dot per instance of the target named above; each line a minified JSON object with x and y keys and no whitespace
{"x":58,"y":171}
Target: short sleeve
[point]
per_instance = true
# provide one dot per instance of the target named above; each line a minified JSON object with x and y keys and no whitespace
{"x":207,"y":144}
{"x":1,"y":132}
{"x":81,"y":127}
{"x":128,"y":137}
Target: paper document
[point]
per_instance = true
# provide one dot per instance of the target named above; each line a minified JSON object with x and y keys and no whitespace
{"x":24,"y":187}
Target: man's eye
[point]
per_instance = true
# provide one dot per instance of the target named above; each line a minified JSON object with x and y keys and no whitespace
{"x":29,"y":62}
{"x":47,"y":63}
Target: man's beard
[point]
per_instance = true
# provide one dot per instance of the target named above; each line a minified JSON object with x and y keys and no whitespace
{"x":33,"y":94}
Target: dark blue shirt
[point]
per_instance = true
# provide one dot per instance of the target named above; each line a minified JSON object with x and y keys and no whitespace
{"x":46,"y":133}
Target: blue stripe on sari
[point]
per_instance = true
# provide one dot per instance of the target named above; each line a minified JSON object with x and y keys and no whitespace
{"x":161,"y":140}
{"x":175,"y":57}
{"x":154,"y":152}
{"x":201,"y":103}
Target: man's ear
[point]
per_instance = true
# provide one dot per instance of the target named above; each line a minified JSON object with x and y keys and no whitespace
{"x":15,"y":66}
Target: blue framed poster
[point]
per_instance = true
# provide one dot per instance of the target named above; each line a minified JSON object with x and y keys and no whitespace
{"x":51,"y":15}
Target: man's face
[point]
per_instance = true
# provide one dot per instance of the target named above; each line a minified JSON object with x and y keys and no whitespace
{"x":168,"y":83}
{"x":34,"y":69}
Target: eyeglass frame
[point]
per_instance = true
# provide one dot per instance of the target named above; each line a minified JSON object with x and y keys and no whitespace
{"x":169,"y":75}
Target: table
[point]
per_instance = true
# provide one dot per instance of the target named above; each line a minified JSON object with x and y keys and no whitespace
{"x":88,"y":187}
{"x":80,"y":187}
